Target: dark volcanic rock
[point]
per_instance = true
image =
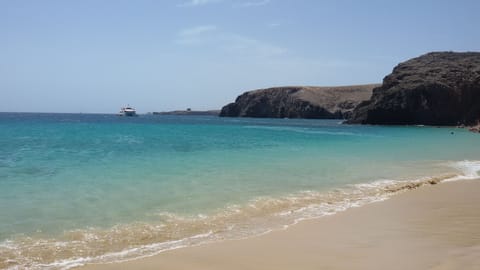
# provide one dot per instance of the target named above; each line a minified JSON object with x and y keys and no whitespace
{"x":299,"y":102}
{"x":440,"y":88}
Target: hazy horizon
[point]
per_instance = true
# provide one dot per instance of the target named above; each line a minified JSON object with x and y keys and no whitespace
{"x":95,"y":57}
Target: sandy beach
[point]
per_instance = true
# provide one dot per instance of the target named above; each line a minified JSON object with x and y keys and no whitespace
{"x":433,"y":227}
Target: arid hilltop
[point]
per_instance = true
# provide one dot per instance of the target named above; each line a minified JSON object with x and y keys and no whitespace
{"x":299,"y":102}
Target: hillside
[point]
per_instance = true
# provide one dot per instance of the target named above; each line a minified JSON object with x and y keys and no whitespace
{"x":299,"y":102}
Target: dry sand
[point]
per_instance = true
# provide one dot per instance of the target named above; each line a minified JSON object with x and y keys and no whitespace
{"x":434,"y":227}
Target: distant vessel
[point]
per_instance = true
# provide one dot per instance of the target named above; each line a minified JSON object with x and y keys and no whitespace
{"x":127,"y":111}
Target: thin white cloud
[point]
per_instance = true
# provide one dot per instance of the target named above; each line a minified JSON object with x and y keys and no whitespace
{"x":274,"y":24}
{"x":258,"y":3}
{"x":229,"y":42}
{"x":195,"y":35}
{"x":197,"y":30}
{"x":196,"y":3}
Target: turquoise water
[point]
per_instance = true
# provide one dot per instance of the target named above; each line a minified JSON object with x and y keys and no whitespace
{"x":78,"y":188}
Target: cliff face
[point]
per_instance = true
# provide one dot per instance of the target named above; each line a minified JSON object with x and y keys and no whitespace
{"x":299,"y":102}
{"x":440,"y":88}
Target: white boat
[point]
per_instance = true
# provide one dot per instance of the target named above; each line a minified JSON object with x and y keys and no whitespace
{"x":127,"y":111}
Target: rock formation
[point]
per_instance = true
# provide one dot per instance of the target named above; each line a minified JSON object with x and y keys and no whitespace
{"x":475,"y":128}
{"x":299,"y":102}
{"x":439,"y":88}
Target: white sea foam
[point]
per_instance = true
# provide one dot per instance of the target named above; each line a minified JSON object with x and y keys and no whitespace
{"x":7,"y":244}
{"x":127,"y":254}
{"x":375,"y":184}
{"x":470,"y":169}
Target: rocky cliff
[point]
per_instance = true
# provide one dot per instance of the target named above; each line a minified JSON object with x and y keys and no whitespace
{"x":299,"y":102}
{"x":439,"y":88}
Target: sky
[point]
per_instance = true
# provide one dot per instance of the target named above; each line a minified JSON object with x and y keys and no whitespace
{"x":95,"y":56}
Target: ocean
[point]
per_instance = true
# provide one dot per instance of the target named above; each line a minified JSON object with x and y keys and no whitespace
{"x":90,"y":188}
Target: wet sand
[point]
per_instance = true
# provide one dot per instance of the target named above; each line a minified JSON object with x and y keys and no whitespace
{"x":433,"y":227}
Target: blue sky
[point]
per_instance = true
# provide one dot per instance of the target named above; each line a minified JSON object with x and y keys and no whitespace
{"x":96,"y":56}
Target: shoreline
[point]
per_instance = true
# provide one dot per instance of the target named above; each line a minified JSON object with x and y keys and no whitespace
{"x":259,"y":217}
{"x":432,"y":227}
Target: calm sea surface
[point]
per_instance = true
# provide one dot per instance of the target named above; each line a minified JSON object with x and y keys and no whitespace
{"x":79,"y":188}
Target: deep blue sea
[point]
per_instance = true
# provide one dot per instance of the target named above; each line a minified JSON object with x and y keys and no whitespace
{"x":80,"y":188}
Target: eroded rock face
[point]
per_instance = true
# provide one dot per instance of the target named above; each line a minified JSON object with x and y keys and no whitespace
{"x":440,"y":88}
{"x":299,"y":102}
